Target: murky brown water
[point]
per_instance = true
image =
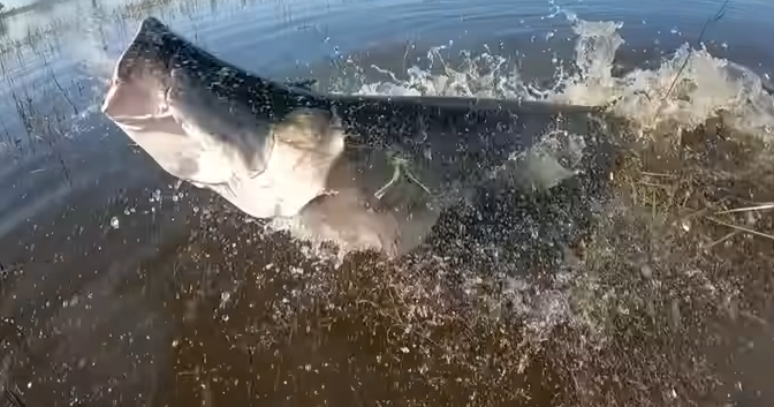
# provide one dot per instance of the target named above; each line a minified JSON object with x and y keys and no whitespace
{"x":165,"y":302}
{"x":177,"y":306}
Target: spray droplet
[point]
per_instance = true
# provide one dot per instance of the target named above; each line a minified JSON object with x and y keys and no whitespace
{"x":114,"y":222}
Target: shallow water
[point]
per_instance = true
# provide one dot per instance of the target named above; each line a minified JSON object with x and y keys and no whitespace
{"x":121,"y":286}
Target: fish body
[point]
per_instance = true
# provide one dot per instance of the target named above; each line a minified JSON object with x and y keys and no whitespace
{"x":373,"y":171}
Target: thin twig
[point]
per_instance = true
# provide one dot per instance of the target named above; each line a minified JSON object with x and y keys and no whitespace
{"x":58,"y":85}
{"x":721,"y":12}
{"x":740,"y":228}
{"x":722,"y":239}
{"x":654,"y":185}
{"x":657,"y":174}
{"x":760,"y":207}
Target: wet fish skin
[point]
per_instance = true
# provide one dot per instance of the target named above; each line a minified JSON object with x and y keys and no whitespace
{"x":464,"y":137}
{"x":208,"y":122}
{"x":280,"y":150}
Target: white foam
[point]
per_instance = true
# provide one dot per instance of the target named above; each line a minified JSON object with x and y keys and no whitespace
{"x":706,"y":87}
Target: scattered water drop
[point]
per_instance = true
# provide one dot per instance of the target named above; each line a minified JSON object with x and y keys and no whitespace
{"x":114,"y":222}
{"x":224,"y":298}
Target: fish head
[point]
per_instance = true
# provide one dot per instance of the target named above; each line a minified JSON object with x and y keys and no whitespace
{"x":218,"y":127}
{"x":136,"y":103}
{"x":166,"y":97}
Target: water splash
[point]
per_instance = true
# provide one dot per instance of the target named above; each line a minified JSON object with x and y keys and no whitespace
{"x":705,"y":88}
{"x":708,"y":86}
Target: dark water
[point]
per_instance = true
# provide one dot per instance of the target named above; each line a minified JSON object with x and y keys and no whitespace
{"x":121,"y":287}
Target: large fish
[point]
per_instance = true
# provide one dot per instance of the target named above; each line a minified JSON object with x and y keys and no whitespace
{"x":366,"y":171}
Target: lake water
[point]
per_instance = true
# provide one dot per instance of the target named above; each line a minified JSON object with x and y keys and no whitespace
{"x":121,"y":286}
